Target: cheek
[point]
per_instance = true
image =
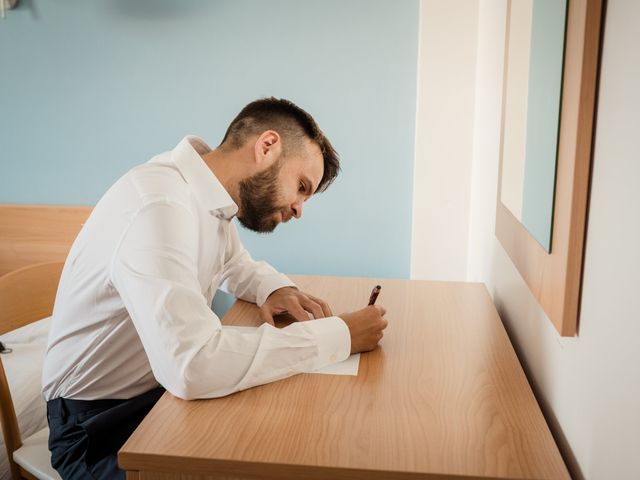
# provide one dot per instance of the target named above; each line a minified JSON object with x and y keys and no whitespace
{"x":289,"y":184}
{"x":288,"y":194}
{"x":286,"y":199}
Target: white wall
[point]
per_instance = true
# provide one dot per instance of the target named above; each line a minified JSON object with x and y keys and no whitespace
{"x":589,"y":386}
{"x":444,"y":139}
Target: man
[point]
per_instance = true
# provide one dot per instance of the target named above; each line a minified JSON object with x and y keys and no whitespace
{"x":132,"y":315}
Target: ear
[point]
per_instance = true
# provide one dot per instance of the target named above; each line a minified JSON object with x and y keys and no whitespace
{"x":268,"y":147}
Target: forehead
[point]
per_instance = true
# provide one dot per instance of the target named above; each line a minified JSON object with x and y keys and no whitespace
{"x":307,"y":162}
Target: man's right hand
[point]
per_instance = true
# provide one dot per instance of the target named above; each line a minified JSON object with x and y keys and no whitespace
{"x":365,"y":327}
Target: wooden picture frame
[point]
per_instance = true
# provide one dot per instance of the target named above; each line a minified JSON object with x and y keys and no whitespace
{"x":555,"y":278}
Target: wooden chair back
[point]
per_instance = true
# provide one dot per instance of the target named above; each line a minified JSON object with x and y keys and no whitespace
{"x":26,"y":295}
{"x":31,"y":234}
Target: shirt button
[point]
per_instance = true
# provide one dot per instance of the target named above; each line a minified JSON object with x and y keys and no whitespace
{"x":332,"y":358}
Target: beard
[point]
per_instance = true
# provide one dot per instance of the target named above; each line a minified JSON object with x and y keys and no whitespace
{"x":259,"y":196}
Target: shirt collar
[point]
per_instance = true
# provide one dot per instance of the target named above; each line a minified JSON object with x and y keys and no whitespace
{"x":207,"y":187}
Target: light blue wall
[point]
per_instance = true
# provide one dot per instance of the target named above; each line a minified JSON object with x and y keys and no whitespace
{"x":90,"y":89}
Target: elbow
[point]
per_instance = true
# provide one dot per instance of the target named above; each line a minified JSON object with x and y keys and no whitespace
{"x":182,"y":392}
{"x":193,"y":394}
{"x":194,"y":376}
{"x":189,"y":387}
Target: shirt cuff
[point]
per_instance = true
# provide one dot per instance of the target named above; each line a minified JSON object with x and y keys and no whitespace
{"x":270,"y":284}
{"x":334,"y":340}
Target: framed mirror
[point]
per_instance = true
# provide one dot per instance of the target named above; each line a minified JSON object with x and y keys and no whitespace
{"x":534,"y":52}
{"x":548,"y":105}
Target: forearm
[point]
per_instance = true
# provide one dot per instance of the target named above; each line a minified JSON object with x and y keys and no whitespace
{"x":253,"y":281}
{"x":233,"y":360}
{"x":244,"y":277}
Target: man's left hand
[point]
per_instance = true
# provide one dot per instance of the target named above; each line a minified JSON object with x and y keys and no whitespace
{"x":299,"y":305}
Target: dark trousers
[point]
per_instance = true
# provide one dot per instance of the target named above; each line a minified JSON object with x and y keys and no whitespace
{"x":85,"y":435}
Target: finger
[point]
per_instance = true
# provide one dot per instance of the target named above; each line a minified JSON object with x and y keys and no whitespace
{"x":326,"y":309}
{"x":385,"y":323}
{"x":296,"y":310}
{"x":266,"y":316}
{"x":312,"y":307}
{"x":381,"y":310}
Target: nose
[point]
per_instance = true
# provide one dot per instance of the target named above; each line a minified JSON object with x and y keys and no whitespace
{"x":296,"y":208}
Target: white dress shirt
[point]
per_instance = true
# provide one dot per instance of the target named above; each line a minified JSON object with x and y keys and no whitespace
{"x":133,"y":305}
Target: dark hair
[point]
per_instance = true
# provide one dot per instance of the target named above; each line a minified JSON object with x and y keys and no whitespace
{"x":291,"y":122}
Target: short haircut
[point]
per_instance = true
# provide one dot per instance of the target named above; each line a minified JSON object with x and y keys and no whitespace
{"x":292,"y":123}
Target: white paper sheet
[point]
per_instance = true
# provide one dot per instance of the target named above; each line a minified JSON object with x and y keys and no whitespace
{"x":346,"y":367}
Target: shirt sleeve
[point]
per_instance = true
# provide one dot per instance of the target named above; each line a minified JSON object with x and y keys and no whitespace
{"x":245,"y":278}
{"x":155,"y":271}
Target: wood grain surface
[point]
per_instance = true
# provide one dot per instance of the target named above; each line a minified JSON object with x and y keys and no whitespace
{"x":28,"y":294}
{"x":37,"y":233}
{"x":444,"y":396}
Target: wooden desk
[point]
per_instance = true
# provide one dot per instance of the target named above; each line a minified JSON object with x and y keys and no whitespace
{"x":444,"y":397}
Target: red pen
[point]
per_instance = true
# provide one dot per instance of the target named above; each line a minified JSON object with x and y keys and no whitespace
{"x":374,"y":294}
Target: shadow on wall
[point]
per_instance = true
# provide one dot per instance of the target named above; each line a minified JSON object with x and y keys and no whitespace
{"x":139,"y":9}
{"x":29,"y":5}
{"x":157,"y":9}
{"x":515,"y":303}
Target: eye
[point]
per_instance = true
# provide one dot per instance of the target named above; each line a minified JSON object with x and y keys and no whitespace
{"x":302,"y":188}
